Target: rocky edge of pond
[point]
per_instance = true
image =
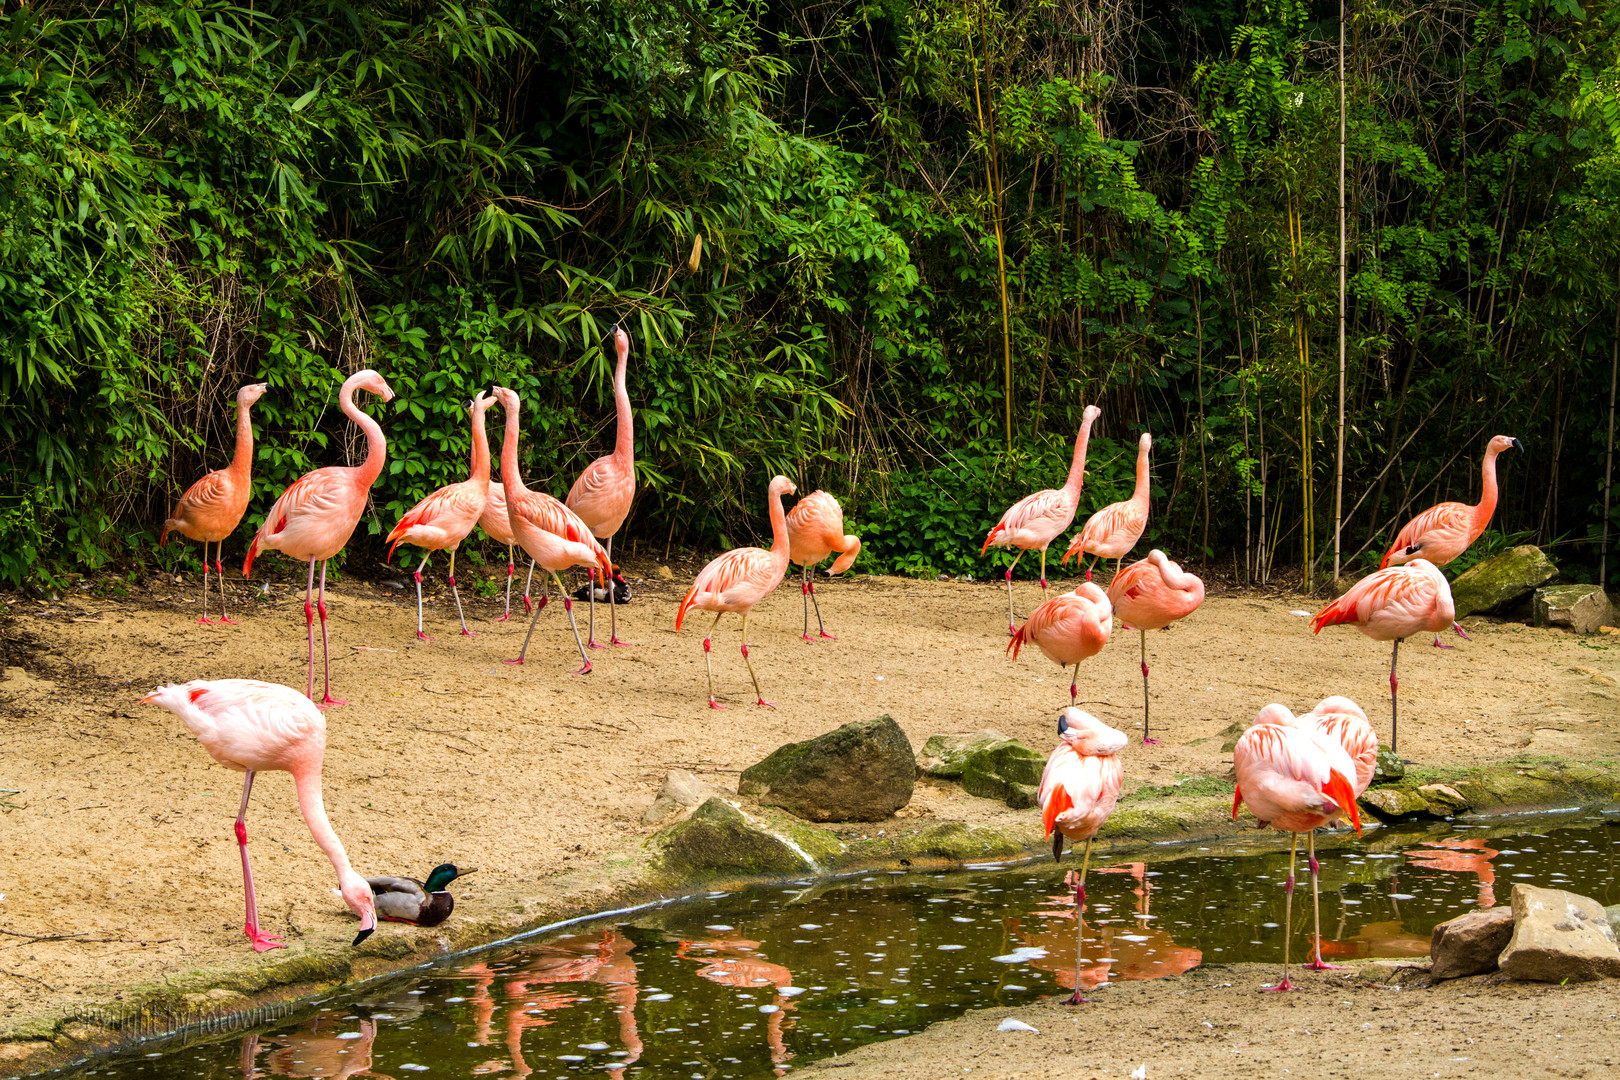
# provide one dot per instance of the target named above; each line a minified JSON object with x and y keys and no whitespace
{"x":807,"y":809}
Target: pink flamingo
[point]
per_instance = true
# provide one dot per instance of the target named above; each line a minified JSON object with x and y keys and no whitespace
{"x":1446,"y":530}
{"x":1151,"y":594}
{"x":317,"y":513}
{"x":211,"y":509}
{"x":1295,"y":777}
{"x":1034,"y":521}
{"x":603,"y":493}
{"x":255,"y":727}
{"x":442,"y":521}
{"x":497,"y":525}
{"x":1078,"y":790}
{"x":1113,"y":531}
{"x":1391,"y":605}
{"x":815,"y":528}
{"x":1068,"y":629}
{"x":1341,"y":721}
{"x":552,"y":534}
{"x":738,"y":580}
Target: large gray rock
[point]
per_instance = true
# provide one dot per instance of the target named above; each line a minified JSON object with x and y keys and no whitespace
{"x":1007,"y":770}
{"x":1559,"y":936}
{"x":1470,"y":944}
{"x":864,"y":771}
{"x":1581,"y":608}
{"x":719,"y":839}
{"x":944,"y":756}
{"x":1501,"y":581}
{"x":1391,"y":803}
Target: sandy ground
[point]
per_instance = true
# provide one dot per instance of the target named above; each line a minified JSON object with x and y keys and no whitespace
{"x":1217,"y":1024}
{"x":118,"y":826}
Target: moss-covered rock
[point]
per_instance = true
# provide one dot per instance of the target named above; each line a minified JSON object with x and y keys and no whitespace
{"x":1498,"y":792}
{"x":952,"y":841}
{"x":1007,"y":770}
{"x":944,"y":756}
{"x":1390,"y":803}
{"x":1581,"y":608}
{"x":1168,"y":818}
{"x":1444,"y":800}
{"x":1390,"y":768}
{"x":863,"y":771}
{"x":1501,"y":581}
{"x":720,"y":840}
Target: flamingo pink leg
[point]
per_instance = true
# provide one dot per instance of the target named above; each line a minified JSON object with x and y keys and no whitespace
{"x":205,"y":620}
{"x":821,"y":625}
{"x":590,"y":593}
{"x":613,"y":603}
{"x":1317,"y":964}
{"x":528,"y":586}
{"x":309,"y":621}
{"x":219,"y":572}
{"x":1043,"y":570}
{"x":1080,"y":925}
{"x":541,"y":607}
{"x":464,"y":631}
{"x":804,"y":591}
{"x":1146,"y":740}
{"x":1012,"y":626}
{"x":708,"y":665}
{"x":420,"y":636}
{"x":758,"y":694}
{"x":511,"y":569}
{"x":1394,"y":710}
{"x":568,"y":606}
{"x":261,"y":941}
{"x":1288,"y":913}
{"x":326,"y":650}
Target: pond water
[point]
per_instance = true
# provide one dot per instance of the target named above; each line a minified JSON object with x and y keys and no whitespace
{"x":752,"y":983}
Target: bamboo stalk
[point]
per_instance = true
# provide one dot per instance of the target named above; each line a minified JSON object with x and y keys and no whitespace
{"x":992,"y":174}
{"x":1338,"y":473}
{"x":1608,"y":461}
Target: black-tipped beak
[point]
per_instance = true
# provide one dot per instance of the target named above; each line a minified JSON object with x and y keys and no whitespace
{"x":1063,"y":724}
{"x":1057,"y":846}
{"x":612,"y":330}
{"x":1519,"y":446}
{"x":362,"y":935}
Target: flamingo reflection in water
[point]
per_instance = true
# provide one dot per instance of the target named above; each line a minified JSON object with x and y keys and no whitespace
{"x":314,"y":1051}
{"x":736,"y":962}
{"x":1462,"y":856}
{"x":604,"y":961}
{"x":1125,"y":952}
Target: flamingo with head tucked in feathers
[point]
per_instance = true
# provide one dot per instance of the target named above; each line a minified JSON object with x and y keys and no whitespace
{"x":442,"y":521}
{"x":212,"y":508}
{"x":552,"y":534}
{"x":1446,"y":530}
{"x":1078,"y":790}
{"x":1113,"y":531}
{"x":255,"y":727}
{"x":815,"y":529}
{"x":1298,"y":775}
{"x":738,"y":580}
{"x":1391,"y":605}
{"x":1034,"y":521}
{"x":1068,"y":629}
{"x":1150,"y":595}
{"x":316,"y":515}
{"x":604,"y":491}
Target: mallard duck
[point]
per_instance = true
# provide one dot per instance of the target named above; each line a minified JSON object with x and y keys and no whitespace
{"x":402,"y":899}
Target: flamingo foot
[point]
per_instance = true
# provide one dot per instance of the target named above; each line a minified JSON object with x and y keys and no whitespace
{"x":528,"y":605}
{"x":808,"y":640}
{"x":328,"y":701}
{"x":503,"y":618}
{"x":1279,"y":988}
{"x":1012,"y":631}
{"x":829,"y":637}
{"x":621,"y":644}
{"x":591,"y":644}
{"x":767,"y":704}
{"x":519,"y":660}
{"x":1318,"y":965}
{"x":1440,"y":644}
{"x":205,"y":621}
{"x":1455,"y":626}
{"x":586,"y":670}
{"x":1151,"y":742}
{"x":713,"y":704}
{"x":225,"y":620}
{"x":469,"y":633}
{"x":422,"y":637}
{"x":262,"y":942}
{"x":1076,"y":999}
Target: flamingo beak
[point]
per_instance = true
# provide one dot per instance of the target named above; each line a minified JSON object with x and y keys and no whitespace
{"x":1519,"y":446}
{"x":362,"y":935}
{"x":150,"y":699}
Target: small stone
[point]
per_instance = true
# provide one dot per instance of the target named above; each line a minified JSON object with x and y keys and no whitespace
{"x":1470,"y":944}
{"x":1502,"y":581}
{"x":1229,"y":738}
{"x":1008,"y":771}
{"x":1389,"y":803}
{"x":681,"y":790}
{"x":1010,"y":1024}
{"x":943,"y":756}
{"x":1444,"y":800}
{"x":1559,"y":936}
{"x":1389,"y":768}
{"x":863,"y":771}
{"x":1581,"y":608}
{"x":719,"y":838}
{"x":665,"y":573}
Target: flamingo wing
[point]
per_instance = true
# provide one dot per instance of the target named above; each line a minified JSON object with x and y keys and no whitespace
{"x":245,"y":723}
{"x":602,"y":495}
{"x":452,"y":511}
{"x":1033,"y":521}
{"x":493,"y":520}
{"x":1437,"y":533}
{"x":1111,"y":531}
{"x":726,"y":579}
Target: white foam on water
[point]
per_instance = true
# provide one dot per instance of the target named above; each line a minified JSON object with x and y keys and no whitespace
{"x":349,"y":1035}
{"x":951,"y":948}
{"x":1021,"y":955}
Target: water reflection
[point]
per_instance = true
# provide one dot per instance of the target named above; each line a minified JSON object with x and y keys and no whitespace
{"x":322,"y":1048}
{"x":736,"y":963}
{"x":1114,"y":948}
{"x":1470,"y":856}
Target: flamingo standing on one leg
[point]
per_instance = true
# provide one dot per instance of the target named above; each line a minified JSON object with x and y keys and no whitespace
{"x":1079,"y":787}
{"x":497,"y":524}
{"x":442,"y":521}
{"x":1446,"y":530}
{"x":1113,"y":531}
{"x":738,"y":580}
{"x":1150,"y":595}
{"x":815,"y":529}
{"x":603,"y":493}
{"x":552,"y":534}
{"x":255,"y":727}
{"x":212,"y":508}
{"x":1340,"y":720}
{"x":1390,"y":605}
{"x":1034,"y":521}
{"x":1297,"y":778}
{"x":1068,"y":629}
{"x":317,"y":513}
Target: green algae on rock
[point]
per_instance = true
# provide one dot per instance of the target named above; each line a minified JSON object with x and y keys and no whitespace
{"x":719,"y":840}
{"x":944,"y":756}
{"x":863,"y":771}
{"x":1500,"y":581}
{"x":1007,"y":770}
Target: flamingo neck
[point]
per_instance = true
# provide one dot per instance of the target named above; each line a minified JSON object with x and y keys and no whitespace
{"x":376,"y":445}
{"x":1177,"y":578}
{"x":509,"y":465}
{"x":480,"y":449}
{"x":242,"y":462}
{"x":308,"y":782}
{"x":779,"y":530}
{"x":1487,"y":495}
{"x":1077,"y":467}
{"x":624,"y":446}
{"x":1140,"y":496}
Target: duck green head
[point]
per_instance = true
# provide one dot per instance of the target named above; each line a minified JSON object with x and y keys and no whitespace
{"x":443,"y":875}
